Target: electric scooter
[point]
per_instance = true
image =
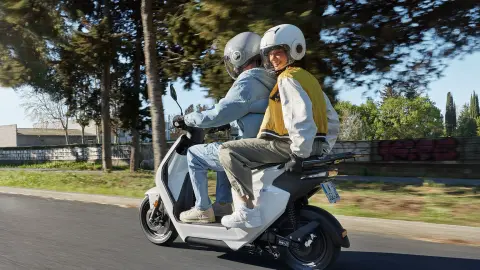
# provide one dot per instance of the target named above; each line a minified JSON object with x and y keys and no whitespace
{"x":302,"y":235}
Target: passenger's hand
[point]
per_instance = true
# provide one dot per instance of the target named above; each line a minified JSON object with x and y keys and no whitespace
{"x":179,"y":122}
{"x":294,"y":164}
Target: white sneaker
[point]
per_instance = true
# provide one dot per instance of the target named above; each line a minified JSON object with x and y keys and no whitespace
{"x":243,"y":217}
{"x":195,"y":215}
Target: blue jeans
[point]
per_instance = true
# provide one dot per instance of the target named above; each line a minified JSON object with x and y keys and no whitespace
{"x":200,"y":158}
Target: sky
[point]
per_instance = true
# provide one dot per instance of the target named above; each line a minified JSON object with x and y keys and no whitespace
{"x":461,"y":77}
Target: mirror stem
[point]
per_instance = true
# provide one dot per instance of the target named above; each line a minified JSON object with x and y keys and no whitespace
{"x":181,"y":111}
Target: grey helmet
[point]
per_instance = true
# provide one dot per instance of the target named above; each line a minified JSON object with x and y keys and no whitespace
{"x":239,"y":51}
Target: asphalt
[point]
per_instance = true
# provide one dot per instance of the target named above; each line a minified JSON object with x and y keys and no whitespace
{"x":40,"y":233}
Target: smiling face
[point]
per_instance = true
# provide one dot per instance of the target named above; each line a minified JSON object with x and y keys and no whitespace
{"x":278,"y":58}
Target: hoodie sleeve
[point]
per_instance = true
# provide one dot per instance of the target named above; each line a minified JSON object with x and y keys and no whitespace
{"x":333,"y":125}
{"x":298,"y":116}
{"x":230,"y":108}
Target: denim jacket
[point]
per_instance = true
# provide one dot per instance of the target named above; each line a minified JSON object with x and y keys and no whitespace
{"x":245,"y":104}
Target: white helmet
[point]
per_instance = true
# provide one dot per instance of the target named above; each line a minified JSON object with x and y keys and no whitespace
{"x":239,"y":51}
{"x":286,"y":36}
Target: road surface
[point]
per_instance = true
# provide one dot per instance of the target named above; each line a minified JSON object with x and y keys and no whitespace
{"x":38,"y":233}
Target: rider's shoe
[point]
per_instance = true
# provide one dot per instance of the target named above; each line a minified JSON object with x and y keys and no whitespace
{"x":196,"y":215}
{"x":222,"y":209}
{"x":243,"y":217}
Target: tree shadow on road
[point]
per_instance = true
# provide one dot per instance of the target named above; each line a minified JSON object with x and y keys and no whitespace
{"x":368,"y":261}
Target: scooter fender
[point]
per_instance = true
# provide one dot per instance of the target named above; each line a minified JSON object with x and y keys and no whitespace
{"x":331,"y":226}
{"x":153,"y":195}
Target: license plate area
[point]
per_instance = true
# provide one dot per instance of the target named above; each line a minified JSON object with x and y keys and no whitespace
{"x":330,"y":191}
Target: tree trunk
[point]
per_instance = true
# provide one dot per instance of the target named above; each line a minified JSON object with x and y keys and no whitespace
{"x":83,"y":134}
{"x":97,"y":130}
{"x":154,"y":90}
{"x":135,"y":151}
{"x":66,"y":136}
{"x":106,"y":124}
{"x":135,"y":146}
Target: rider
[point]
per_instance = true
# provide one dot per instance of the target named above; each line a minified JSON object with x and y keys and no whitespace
{"x":245,"y":103}
{"x":299,"y":122}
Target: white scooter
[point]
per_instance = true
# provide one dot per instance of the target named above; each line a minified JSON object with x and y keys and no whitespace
{"x":304,"y":236}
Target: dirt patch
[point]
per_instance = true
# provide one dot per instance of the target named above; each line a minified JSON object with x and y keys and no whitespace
{"x":449,"y":241}
{"x":411,"y":206}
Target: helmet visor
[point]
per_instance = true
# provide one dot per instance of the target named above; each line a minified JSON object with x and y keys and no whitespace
{"x":231,"y":69}
{"x":265,"y":53}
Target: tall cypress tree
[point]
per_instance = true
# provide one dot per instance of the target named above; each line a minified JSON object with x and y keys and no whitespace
{"x":474,"y":107}
{"x":450,"y":115}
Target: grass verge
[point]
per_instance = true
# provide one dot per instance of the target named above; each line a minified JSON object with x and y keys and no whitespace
{"x":119,"y":183}
{"x":429,"y":202}
{"x":67,"y":165}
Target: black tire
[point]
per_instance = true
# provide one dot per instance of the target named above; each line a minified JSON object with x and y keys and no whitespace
{"x":320,"y":255}
{"x":159,"y":235}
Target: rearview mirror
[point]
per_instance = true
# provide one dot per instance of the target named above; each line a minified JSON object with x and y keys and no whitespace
{"x":173,"y":93}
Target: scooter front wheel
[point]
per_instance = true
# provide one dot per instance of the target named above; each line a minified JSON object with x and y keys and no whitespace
{"x":161,"y":231}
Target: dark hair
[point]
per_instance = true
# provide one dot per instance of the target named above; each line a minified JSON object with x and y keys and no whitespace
{"x":302,"y":63}
{"x":256,"y":60}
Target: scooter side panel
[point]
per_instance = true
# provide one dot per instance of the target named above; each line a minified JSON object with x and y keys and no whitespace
{"x":271,"y":201}
{"x":177,"y":170}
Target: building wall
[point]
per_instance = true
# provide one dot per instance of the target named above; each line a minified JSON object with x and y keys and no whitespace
{"x":31,"y":140}
{"x":8,"y":136}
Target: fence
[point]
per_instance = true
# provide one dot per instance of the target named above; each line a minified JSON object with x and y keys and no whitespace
{"x":441,"y":157}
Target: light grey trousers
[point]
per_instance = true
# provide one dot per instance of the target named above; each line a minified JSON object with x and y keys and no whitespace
{"x":239,"y":157}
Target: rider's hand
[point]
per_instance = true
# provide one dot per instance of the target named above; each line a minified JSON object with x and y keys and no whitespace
{"x":294,"y":164}
{"x":220,"y":128}
{"x":179,"y":122}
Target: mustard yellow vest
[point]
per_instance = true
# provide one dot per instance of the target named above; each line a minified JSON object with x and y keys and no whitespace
{"x":273,"y":126}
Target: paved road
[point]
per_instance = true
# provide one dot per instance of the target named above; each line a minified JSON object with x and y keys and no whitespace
{"x":39,"y":233}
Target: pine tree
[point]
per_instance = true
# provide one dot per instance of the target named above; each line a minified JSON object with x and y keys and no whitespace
{"x":450,"y":115}
{"x":350,"y":40}
{"x":388,"y":92}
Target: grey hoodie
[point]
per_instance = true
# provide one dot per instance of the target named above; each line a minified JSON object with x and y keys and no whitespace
{"x":245,"y":103}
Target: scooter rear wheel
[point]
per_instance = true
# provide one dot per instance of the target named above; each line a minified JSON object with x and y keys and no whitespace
{"x":158,"y":233}
{"x":320,"y":253}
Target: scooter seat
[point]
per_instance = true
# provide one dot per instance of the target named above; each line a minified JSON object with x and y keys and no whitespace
{"x":319,"y":161}
{"x":315,"y":161}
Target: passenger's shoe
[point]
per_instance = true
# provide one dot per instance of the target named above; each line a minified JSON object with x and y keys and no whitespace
{"x":243,"y":217}
{"x":222,"y":209}
{"x":195,"y":215}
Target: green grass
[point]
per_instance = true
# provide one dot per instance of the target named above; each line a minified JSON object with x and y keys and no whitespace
{"x":433,"y":203}
{"x":429,"y":202}
{"x":120,"y":183}
{"x":66,"y":165}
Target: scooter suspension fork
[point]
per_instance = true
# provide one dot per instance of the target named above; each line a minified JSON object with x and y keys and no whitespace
{"x":156,"y":208}
{"x":292,"y":215}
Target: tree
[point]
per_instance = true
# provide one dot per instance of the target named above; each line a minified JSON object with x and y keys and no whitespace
{"x":367,"y":112}
{"x":46,"y":111}
{"x":474,"y":108}
{"x":388,"y":92}
{"x":477,"y":121}
{"x":351,"y":128}
{"x":450,"y":116}
{"x":155,"y":86}
{"x":467,"y":126}
{"x":362,"y":42}
{"x":402,"y":118}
